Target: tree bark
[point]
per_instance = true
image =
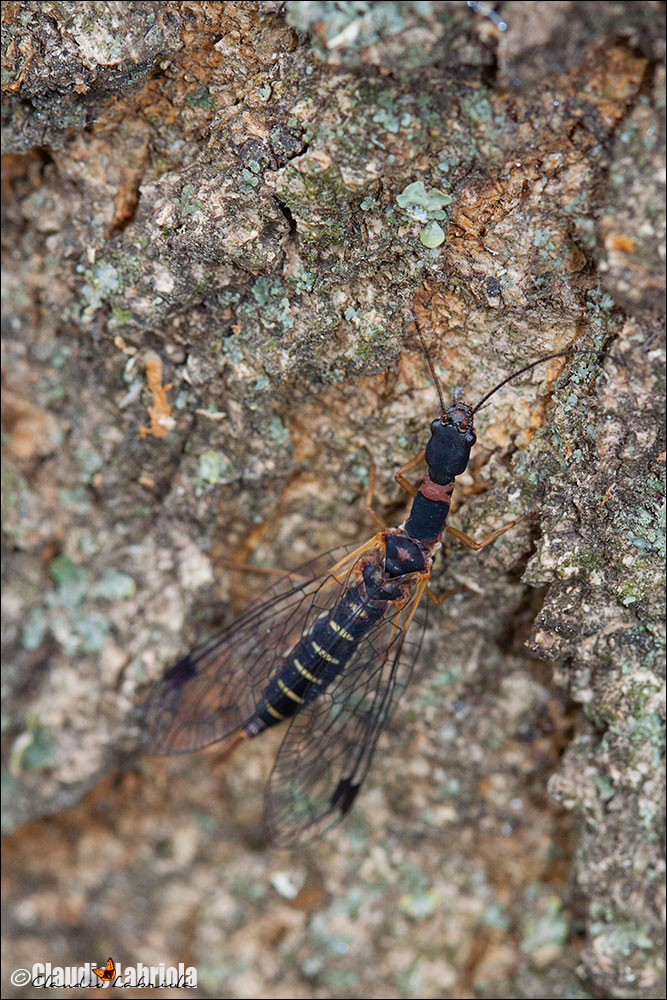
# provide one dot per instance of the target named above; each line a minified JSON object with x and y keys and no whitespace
{"x":217,"y":219}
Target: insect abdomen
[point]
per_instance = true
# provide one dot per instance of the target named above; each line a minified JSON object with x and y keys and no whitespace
{"x":318,"y":658}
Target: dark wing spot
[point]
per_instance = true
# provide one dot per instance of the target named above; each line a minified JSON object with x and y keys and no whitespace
{"x":181,"y":672}
{"x":344,"y":796}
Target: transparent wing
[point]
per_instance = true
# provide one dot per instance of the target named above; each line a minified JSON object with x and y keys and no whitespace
{"x":329,"y":746}
{"x":211,"y":692}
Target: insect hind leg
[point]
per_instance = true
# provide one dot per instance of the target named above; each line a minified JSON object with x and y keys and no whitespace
{"x":438,"y":599}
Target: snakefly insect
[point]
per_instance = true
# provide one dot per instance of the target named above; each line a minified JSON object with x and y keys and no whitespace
{"x":327,"y":653}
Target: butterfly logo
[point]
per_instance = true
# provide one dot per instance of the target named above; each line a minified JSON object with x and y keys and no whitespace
{"x":108,"y":972}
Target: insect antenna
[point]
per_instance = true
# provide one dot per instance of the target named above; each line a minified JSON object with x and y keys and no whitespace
{"x":427,"y":355}
{"x":539,"y":361}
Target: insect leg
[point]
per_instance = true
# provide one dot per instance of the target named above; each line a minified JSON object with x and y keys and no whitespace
{"x":472,"y":544}
{"x":437,"y":599}
{"x":400,"y":478}
{"x":243,"y":567}
{"x":371,"y":489}
{"x":351,"y":557}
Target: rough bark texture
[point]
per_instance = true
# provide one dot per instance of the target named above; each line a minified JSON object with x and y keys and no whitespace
{"x":216,"y":217}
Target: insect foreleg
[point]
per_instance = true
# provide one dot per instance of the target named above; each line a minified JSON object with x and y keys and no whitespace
{"x":400,"y":477}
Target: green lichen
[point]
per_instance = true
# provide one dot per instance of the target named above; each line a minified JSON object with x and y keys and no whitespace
{"x":420,"y":203}
{"x":120,"y":315}
{"x":420,"y":906}
{"x":319,"y":199}
{"x":495,"y":915}
{"x":604,"y":788}
{"x":89,"y":635}
{"x":273,"y":299}
{"x":103,"y":280}
{"x":622,"y":938}
{"x":65,"y":612}
{"x":277,"y":432}
{"x":644,"y":729}
{"x":200,"y":98}
{"x":114,"y":585}
{"x":389,"y":113}
{"x":423,"y":204}
{"x":89,"y":461}
{"x":66,"y":573}
{"x":447,"y":162}
{"x":432,"y":235}
{"x":212,"y":467}
{"x":477,"y":107}
{"x":550,"y":927}
{"x":33,"y":750}
{"x":361,"y":23}
{"x":248,"y":180}
{"x":35,"y":628}
{"x":305,"y":281}
{"x":189,"y":204}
